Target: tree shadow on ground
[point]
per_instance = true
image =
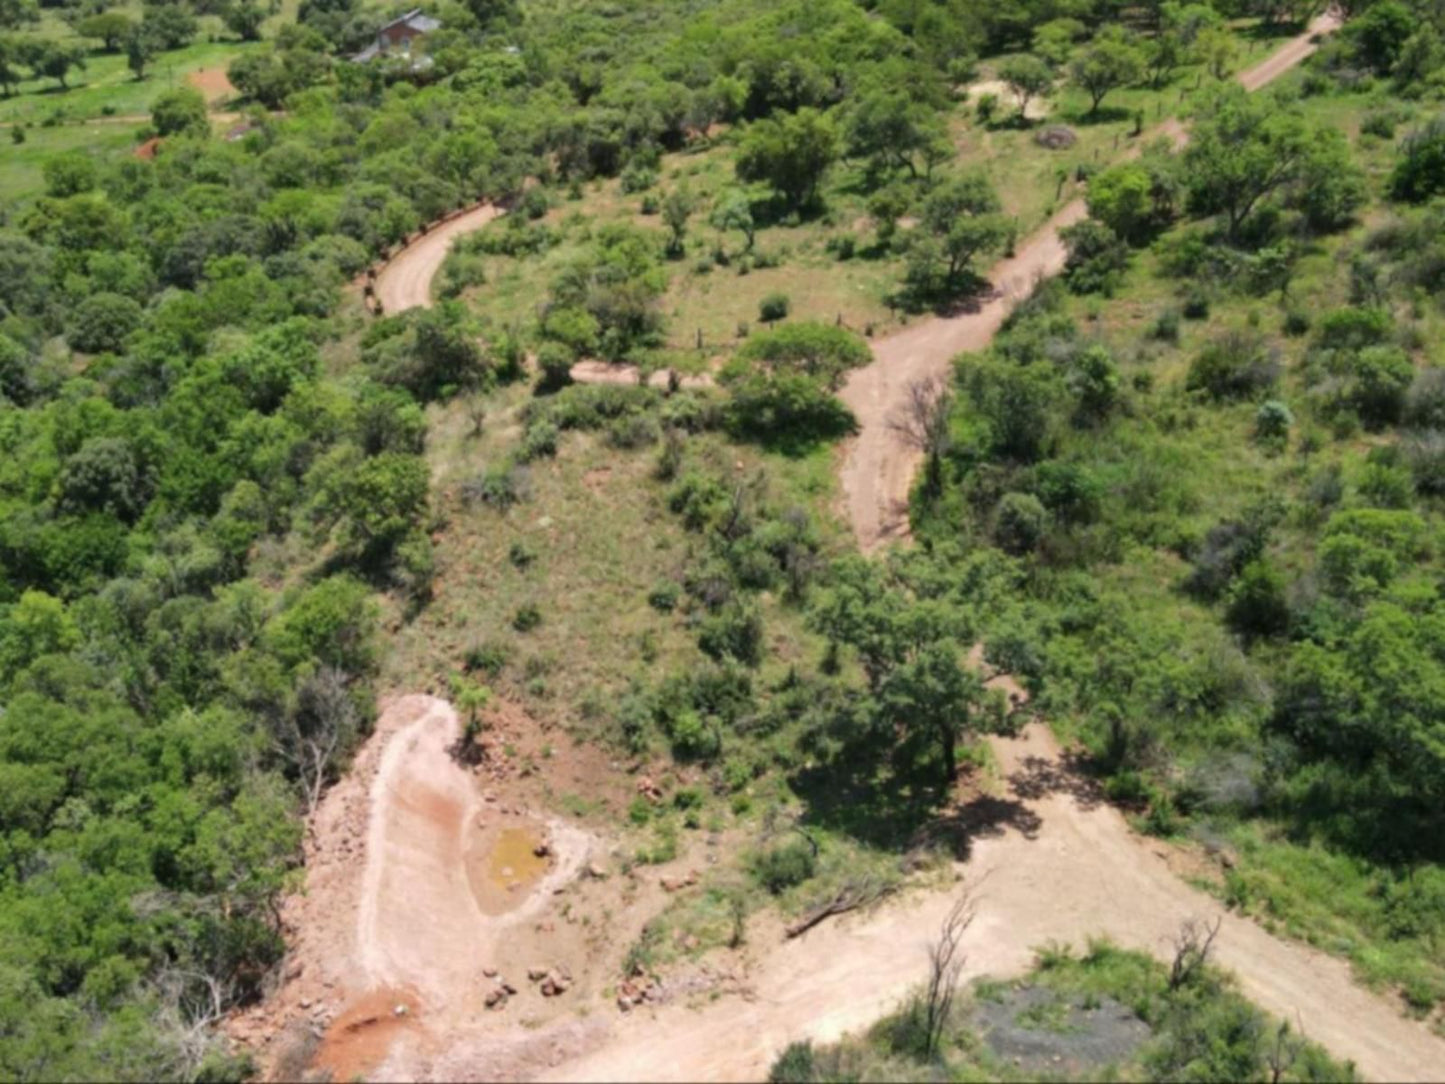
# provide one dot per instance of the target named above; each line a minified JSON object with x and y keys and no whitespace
{"x":1105,"y":114}
{"x":904,"y":807}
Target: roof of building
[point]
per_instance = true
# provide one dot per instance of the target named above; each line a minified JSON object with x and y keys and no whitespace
{"x":413,"y":20}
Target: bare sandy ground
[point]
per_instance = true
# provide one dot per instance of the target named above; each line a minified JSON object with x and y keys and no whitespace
{"x":600,"y":372}
{"x":878,"y":465}
{"x":1051,"y":863}
{"x":405,"y":282}
{"x":1038,"y":107}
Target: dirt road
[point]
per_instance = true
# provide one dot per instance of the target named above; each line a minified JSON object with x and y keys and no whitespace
{"x":879,"y":465}
{"x":1051,"y":863}
{"x":405,"y":282}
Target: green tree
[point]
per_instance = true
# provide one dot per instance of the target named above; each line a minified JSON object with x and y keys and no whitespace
{"x":170,"y":26}
{"x":102,"y":323}
{"x":140,"y":49}
{"x":1110,"y":61}
{"x":791,"y":154}
{"x":892,"y":131}
{"x":734,"y":211}
{"x":244,"y":19}
{"x":69,"y":174}
{"x":1217,"y":50}
{"x":677,"y":208}
{"x":181,"y":112}
{"x":1419,"y":172}
{"x":960,"y":221}
{"x":11,"y":58}
{"x":17,"y":13}
{"x":1028,"y":78}
{"x":108,"y":27}
{"x":1135,"y":199}
{"x":1243,"y":150}
{"x":934,"y":698}
{"x":56,"y":60}
{"x":368,"y":505}
{"x":36,"y":625}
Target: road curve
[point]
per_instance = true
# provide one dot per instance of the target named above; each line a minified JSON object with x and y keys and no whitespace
{"x":878,"y":464}
{"x":405,"y":282}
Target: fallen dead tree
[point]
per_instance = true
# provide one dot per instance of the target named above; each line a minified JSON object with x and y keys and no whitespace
{"x":852,"y":896}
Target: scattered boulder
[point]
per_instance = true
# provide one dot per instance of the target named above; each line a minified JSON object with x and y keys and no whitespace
{"x":536,"y":974}
{"x":542,"y":850}
{"x":596,"y":872}
{"x":674,"y":884}
{"x":1056,"y":137}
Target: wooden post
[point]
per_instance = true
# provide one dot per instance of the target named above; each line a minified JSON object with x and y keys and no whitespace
{"x":699,"y":338}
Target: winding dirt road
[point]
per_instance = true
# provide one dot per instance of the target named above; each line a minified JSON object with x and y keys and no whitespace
{"x":405,"y":282}
{"x":879,"y":464}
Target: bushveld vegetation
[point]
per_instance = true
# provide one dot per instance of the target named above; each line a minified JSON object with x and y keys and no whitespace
{"x":1190,"y":495}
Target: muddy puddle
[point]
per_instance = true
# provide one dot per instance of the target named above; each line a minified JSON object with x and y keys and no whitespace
{"x":504,"y":866}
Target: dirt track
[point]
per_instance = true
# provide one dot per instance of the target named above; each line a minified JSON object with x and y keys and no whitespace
{"x":405,"y":282}
{"x":1051,"y":863}
{"x":879,"y":466}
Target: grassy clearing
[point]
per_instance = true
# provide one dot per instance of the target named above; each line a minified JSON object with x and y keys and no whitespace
{"x":586,"y":549}
{"x":21,"y":163}
{"x":107,"y":88}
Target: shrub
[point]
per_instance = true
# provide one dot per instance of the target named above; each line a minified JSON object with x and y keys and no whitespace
{"x":773,"y":308}
{"x":780,"y":868}
{"x":1420,"y":172}
{"x":632,"y":431}
{"x":663,"y":596}
{"x":526,"y":618}
{"x":1425,"y":454}
{"x":487,"y":657}
{"x":734,"y":632}
{"x":1257,"y":605}
{"x":1425,"y":401}
{"x":1234,"y":366}
{"x":1165,"y":327}
{"x":501,"y":487}
{"x":819,"y":350}
{"x":1020,"y":523}
{"x":1354,"y":328}
{"x":534,"y":202}
{"x":786,"y":407}
{"x":538,"y":442}
{"x":1097,"y":257}
{"x":637,"y":178}
{"x":1272,"y":422}
{"x":522,"y":554}
{"x":1196,"y":304}
{"x":794,"y":1065}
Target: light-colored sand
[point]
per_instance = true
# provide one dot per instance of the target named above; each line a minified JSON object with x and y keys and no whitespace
{"x":405,"y":282}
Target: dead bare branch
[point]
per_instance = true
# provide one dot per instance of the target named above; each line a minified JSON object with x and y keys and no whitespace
{"x":1192,"y":946}
{"x":945,"y":965}
{"x":862,"y":892}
